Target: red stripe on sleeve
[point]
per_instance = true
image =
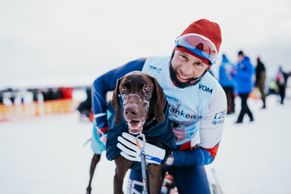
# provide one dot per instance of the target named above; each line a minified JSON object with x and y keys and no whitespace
{"x":213,"y":150}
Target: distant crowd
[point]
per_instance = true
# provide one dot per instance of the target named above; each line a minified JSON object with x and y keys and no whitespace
{"x":16,"y":96}
{"x":237,"y":79}
{"x":240,"y":78}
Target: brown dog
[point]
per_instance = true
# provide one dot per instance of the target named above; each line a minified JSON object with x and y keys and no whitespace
{"x":138,"y":101}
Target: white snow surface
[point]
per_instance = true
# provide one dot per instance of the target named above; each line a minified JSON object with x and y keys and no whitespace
{"x":46,"y":155}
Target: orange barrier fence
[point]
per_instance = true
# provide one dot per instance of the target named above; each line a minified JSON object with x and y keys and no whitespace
{"x":37,"y":109}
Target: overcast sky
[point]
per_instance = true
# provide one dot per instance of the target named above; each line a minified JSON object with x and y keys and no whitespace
{"x":73,"y":41}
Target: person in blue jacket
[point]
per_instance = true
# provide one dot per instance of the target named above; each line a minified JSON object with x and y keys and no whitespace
{"x":196,"y":108}
{"x":243,"y":73}
{"x":226,"y":80}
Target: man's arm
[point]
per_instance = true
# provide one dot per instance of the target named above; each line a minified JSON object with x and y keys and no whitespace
{"x":199,"y":156}
{"x":210,"y":132}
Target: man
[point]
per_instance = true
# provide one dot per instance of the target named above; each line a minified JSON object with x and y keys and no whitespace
{"x":261,"y":80}
{"x":197,"y":105}
{"x":281,"y":81}
{"x":244,"y":85}
{"x":227,"y":82}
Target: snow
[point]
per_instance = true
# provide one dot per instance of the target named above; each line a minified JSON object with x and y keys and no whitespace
{"x":255,"y":157}
{"x":47,"y":154}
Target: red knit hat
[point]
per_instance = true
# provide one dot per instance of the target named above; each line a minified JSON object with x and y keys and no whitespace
{"x":204,"y":27}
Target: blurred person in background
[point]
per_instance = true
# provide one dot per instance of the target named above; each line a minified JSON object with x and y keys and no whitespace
{"x":281,"y":81}
{"x":66,"y":92}
{"x":226,"y":80}
{"x":85,"y":107}
{"x":272,"y":87}
{"x":261,"y":80}
{"x":1,"y":97}
{"x":243,"y":74}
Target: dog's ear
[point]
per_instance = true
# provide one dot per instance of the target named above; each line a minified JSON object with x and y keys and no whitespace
{"x":158,"y":102}
{"x":115,"y":101}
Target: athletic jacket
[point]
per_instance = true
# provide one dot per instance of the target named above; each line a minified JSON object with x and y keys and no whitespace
{"x":225,"y":73}
{"x":243,"y":76}
{"x":196,"y":112}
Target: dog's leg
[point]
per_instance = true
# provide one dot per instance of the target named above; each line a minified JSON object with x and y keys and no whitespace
{"x":94,"y":162}
{"x":122,"y":165}
{"x":155,"y":178}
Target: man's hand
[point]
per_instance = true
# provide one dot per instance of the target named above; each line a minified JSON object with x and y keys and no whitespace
{"x":130,"y":147}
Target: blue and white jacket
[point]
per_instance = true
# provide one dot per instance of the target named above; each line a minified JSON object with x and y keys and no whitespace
{"x":196,"y":112}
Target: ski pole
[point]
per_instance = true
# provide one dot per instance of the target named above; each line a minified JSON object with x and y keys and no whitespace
{"x":219,"y":190}
{"x":143,"y":164}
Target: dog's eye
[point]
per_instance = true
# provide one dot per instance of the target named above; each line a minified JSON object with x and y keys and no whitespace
{"x":146,"y":104}
{"x":146,"y":87}
{"x":122,"y":89}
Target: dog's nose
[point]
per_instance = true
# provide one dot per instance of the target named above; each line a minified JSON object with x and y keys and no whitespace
{"x":131,"y":110}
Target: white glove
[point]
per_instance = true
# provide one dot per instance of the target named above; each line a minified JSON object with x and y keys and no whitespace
{"x":130,"y":147}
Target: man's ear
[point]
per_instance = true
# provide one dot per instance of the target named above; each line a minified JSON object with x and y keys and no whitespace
{"x":158,"y":102}
{"x":115,"y":101}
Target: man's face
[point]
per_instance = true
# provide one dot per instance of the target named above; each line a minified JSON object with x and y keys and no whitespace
{"x":240,"y":58}
{"x":187,"y":66}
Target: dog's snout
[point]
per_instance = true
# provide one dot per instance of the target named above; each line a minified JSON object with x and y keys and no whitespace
{"x":131,"y":110}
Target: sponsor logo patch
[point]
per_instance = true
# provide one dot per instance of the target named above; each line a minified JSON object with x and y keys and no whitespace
{"x":205,"y":88}
{"x":181,"y":113}
{"x":171,"y":98}
{"x":155,"y":68}
{"x":218,"y":118}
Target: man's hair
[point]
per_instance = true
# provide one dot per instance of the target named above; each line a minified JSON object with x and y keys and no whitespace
{"x":240,"y":53}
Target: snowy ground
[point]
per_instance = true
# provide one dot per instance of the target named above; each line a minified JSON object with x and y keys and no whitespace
{"x":46,"y":155}
{"x":255,"y":157}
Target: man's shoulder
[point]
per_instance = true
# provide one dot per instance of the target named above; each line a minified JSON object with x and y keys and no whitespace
{"x":210,"y":80}
{"x":155,"y":64}
{"x":157,"y":59}
{"x":211,"y":85}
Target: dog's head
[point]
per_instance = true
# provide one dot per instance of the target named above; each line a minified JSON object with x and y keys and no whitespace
{"x":142,"y":100}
